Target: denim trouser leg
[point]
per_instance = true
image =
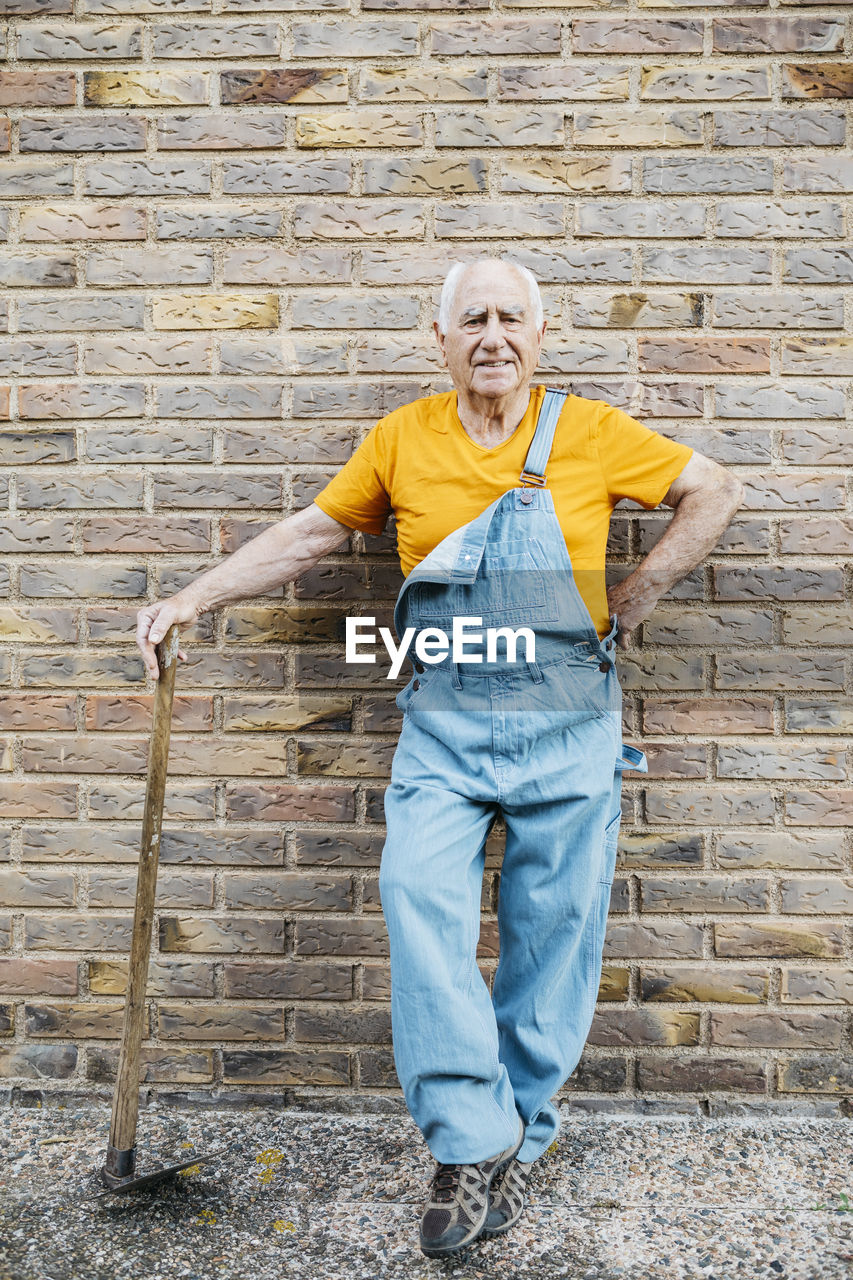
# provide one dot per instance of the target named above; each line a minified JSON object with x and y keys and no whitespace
{"x":445,"y":1036}
{"x":552,"y":915}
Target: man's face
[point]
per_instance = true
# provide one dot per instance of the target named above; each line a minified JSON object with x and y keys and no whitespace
{"x":492,"y":344}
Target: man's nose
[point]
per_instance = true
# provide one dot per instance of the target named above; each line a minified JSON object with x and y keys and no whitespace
{"x":492,"y":334}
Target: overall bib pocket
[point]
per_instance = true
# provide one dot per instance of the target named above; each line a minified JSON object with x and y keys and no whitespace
{"x":513,"y":590}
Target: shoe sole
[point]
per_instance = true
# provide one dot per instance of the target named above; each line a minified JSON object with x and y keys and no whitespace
{"x":430,"y":1251}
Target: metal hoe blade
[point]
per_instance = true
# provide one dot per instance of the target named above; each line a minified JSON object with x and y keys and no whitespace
{"x":132,"y":1181}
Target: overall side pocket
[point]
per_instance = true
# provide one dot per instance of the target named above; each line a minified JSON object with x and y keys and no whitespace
{"x":611,"y":842}
{"x":588,"y":685}
{"x":413,"y":690}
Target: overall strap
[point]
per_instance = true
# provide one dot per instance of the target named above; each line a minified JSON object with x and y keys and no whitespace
{"x":540,"y":446}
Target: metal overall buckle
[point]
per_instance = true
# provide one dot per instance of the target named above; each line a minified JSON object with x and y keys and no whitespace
{"x":528,"y":478}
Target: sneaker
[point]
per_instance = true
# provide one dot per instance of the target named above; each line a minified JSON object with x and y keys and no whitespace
{"x":506,"y":1198}
{"x":458,"y":1204}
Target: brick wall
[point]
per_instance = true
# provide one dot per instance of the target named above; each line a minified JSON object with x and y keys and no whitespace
{"x":223,"y":226}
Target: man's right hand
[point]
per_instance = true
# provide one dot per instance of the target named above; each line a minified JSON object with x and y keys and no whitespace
{"x":154,"y":621}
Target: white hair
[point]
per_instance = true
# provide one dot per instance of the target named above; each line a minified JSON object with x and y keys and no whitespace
{"x":451,"y":283}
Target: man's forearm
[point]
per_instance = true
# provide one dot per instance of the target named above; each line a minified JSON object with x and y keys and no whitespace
{"x":697,"y":523}
{"x":276,"y":556}
{"x":695,"y":529}
{"x":252,"y":570}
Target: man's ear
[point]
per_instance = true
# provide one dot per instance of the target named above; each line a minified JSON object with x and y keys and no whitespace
{"x":439,"y":337}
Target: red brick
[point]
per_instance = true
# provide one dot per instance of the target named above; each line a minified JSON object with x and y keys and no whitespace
{"x":159,"y":534}
{"x":23,"y":977}
{"x":37,"y":888}
{"x":38,"y":1062}
{"x":109,"y":713}
{"x":36,"y":88}
{"x":38,"y":711}
{"x":43,"y":799}
{"x":708,"y":716}
{"x":281,"y":802}
{"x":75,"y":1021}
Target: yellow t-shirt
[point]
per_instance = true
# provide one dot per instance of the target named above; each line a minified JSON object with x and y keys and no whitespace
{"x":420,"y":463}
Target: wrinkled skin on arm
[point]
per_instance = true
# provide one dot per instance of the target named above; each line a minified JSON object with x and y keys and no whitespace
{"x":276,"y":556}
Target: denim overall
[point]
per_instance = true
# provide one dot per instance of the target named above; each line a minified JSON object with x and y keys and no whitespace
{"x":538,"y":742}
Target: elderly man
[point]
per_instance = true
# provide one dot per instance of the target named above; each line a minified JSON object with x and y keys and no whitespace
{"x":502,"y":495}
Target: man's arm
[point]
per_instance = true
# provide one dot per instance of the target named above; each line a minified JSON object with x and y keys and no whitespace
{"x":276,"y":556}
{"x":705,"y":497}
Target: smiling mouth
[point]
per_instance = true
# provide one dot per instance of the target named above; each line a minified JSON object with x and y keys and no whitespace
{"x":494,"y":364}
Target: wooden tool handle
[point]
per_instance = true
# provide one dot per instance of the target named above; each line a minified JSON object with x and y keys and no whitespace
{"x":126,"y":1096}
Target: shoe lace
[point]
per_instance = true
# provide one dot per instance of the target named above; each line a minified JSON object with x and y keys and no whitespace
{"x":446,"y":1182}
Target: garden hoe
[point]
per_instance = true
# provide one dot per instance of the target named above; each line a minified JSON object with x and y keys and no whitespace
{"x":119,"y":1171}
